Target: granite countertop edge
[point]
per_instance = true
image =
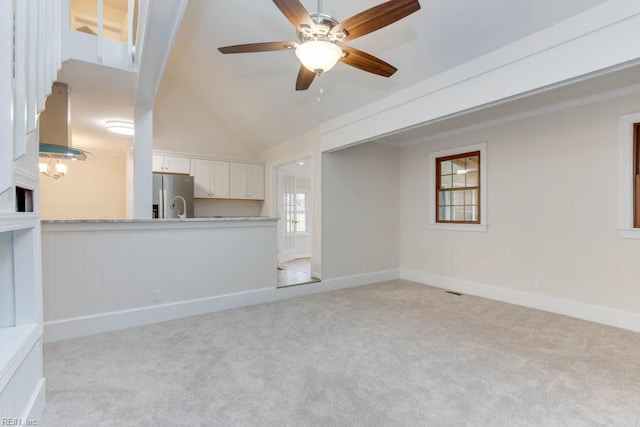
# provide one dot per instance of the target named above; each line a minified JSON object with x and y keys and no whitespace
{"x":156,"y":220}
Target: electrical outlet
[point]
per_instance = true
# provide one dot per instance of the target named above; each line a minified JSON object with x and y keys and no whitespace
{"x":156,"y":295}
{"x":537,"y":284}
{"x":393,"y":263}
{"x":365,"y":266}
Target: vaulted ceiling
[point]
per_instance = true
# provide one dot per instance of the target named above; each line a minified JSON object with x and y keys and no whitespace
{"x":254,"y":93}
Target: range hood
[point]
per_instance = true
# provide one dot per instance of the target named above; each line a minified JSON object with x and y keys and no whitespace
{"x":55,"y":126}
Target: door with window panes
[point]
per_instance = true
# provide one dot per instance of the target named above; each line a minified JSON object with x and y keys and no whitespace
{"x":293,"y":206}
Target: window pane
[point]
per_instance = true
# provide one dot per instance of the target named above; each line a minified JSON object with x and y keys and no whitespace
{"x":446,"y":181}
{"x":458,"y":198}
{"x":458,"y":164}
{"x":444,"y":213}
{"x":472,"y":163}
{"x":470,"y":213}
{"x":84,"y":16}
{"x":115,"y":22}
{"x":445,"y":168}
{"x":445,"y":198}
{"x":458,"y":181}
{"x":471,"y":197}
{"x":458,"y":213}
{"x":472,"y":179}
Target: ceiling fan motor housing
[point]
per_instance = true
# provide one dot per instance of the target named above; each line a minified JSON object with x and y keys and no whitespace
{"x":323,"y":25}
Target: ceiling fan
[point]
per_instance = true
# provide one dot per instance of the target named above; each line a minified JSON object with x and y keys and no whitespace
{"x":320,"y":36}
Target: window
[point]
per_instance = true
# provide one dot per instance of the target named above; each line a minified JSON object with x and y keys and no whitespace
{"x":458,"y":188}
{"x":629,"y":176}
{"x":636,"y":175}
{"x":296,"y":212}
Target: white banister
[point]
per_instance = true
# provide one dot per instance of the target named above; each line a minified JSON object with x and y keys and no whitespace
{"x":130,"y":13}
{"x":6,"y":93}
{"x":20,"y":81}
{"x":32,"y":85}
{"x":100,"y":47}
{"x":41,"y":58}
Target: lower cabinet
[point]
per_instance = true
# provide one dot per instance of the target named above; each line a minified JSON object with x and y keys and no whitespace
{"x":246,"y":181}
{"x":211,"y":179}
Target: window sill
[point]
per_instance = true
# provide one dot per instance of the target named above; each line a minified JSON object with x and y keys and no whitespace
{"x":629,"y":233}
{"x":459,"y":227}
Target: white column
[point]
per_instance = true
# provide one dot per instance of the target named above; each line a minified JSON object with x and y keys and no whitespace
{"x":142,"y":171}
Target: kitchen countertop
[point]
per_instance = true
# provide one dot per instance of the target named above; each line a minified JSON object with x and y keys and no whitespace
{"x":157,"y":220}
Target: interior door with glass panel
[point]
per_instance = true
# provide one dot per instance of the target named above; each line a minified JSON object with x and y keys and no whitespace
{"x":293,"y":211}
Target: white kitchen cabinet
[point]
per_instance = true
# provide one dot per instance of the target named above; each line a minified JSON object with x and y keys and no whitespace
{"x":211,"y":179}
{"x":246,"y":181}
{"x":171,"y":164}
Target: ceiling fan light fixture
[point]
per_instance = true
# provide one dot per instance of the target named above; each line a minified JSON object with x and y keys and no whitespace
{"x":319,"y":56}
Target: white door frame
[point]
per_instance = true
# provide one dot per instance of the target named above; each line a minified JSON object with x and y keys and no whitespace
{"x":277,"y":208}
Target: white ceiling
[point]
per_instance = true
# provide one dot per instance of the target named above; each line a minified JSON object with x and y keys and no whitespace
{"x":613,"y":83}
{"x":255,"y":93}
{"x":98,"y":94}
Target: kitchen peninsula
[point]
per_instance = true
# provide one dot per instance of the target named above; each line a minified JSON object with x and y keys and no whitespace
{"x":102,"y":275}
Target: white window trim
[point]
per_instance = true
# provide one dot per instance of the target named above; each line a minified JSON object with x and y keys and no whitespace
{"x":625,"y":187}
{"x":482,"y":227}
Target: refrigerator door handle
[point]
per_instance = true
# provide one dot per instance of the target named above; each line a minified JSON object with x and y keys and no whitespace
{"x":165,"y":204}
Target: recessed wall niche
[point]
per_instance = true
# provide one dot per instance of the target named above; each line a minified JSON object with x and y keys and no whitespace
{"x":24,"y":200}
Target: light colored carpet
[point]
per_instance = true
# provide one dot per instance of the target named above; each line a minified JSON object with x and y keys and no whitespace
{"x":394,"y":353}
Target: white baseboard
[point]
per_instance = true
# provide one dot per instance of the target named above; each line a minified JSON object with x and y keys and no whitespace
{"x":35,"y":406}
{"x":105,"y":322}
{"x":594,"y":313}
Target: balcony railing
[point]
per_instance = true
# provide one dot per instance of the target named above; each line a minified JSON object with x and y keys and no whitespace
{"x":103,"y":31}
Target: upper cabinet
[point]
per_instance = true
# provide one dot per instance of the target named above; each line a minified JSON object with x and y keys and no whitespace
{"x":211,"y":179}
{"x":246,"y":181}
{"x":171,"y":164}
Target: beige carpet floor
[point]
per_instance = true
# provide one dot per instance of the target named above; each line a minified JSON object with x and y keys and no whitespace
{"x":389,"y":354}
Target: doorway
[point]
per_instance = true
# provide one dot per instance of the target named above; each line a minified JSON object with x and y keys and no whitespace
{"x":294,"y":208}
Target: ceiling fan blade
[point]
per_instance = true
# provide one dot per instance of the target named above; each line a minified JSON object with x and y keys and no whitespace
{"x":259,"y":47}
{"x":365,"y":62}
{"x":295,"y":12}
{"x":375,"y":18}
{"x":305,"y":78}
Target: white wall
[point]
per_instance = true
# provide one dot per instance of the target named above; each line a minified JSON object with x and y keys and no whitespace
{"x":207,"y":208}
{"x":303,"y":146}
{"x":183,"y":124}
{"x":154,"y":271}
{"x":91,"y":189}
{"x":552,"y":210}
{"x":360,"y":210}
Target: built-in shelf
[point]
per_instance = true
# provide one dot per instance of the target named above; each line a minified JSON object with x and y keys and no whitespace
{"x":16,"y":342}
{"x":18,"y":221}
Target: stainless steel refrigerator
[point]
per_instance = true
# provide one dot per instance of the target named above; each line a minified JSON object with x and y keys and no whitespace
{"x":172,"y":196}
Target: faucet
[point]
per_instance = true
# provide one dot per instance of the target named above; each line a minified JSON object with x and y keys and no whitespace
{"x":172,"y":205}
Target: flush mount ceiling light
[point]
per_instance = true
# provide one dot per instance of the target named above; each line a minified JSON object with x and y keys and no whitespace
{"x":120,"y":127}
